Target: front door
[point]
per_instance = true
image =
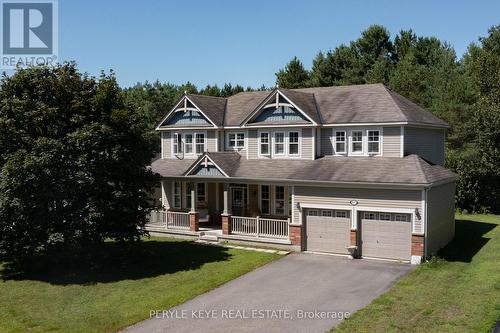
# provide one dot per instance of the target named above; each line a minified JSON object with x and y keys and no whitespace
{"x":238,"y":200}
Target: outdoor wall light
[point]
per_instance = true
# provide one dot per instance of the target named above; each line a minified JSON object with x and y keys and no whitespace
{"x":417,"y":213}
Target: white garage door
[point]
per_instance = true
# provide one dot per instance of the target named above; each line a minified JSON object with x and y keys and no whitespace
{"x":325,"y":232}
{"x":386,"y":235}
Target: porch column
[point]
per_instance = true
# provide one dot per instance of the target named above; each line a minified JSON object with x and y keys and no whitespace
{"x":226,"y":217}
{"x":194,"y":217}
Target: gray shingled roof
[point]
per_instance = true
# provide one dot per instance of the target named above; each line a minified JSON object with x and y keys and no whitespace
{"x":368,"y":103}
{"x":212,"y":107}
{"x":410,"y":170}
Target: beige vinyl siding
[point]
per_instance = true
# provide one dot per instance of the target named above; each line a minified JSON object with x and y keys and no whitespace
{"x":253,"y":144}
{"x":166,"y":144}
{"x":382,"y":198}
{"x":326,"y":141}
{"x":391,"y":141}
{"x":307,"y":143}
{"x":440,"y":216}
{"x":211,"y":141}
{"x":428,"y":143}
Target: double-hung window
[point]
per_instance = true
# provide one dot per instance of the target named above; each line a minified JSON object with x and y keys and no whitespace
{"x":373,"y":142}
{"x":293,"y":143}
{"x":200,"y":143}
{"x":264,"y":143}
{"x":177,"y":145}
{"x":236,"y":140}
{"x":188,"y":143}
{"x":357,"y":142}
{"x":279,"y":200}
{"x":279,"y":143}
{"x":265,"y":199}
{"x":340,"y":141}
{"x":189,"y":187}
{"x":177,"y":194}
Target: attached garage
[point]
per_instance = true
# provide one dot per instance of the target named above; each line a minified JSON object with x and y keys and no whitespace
{"x":385,"y":235}
{"x":327,"y":231}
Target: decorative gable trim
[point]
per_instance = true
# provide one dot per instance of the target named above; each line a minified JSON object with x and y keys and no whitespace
{"x":205,"y":161}
{"x":267,"y":102}
{"x":182,"y":106}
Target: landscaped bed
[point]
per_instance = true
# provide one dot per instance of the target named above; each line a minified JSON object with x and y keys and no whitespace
{"x":120,"y":289}
{"x":457,"y":292}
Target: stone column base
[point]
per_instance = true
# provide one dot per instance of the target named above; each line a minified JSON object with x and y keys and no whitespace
{"x":226,"y":224}
{"x":194,"y":221}
{"x":417,"y":248}
{"x":296,"y":234}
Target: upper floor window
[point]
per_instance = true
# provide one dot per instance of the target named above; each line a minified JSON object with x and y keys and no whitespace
{"x":340,"y":141}
{"x":200,"y":143}
{"x":357,"y":142}
{"x":293,"y":143}
{"x":373,"y":142}
{"x":279,"y":143}
{"x":188,"y":143}
{"x":177,"y":143}
{"x":236,"y":140}
{"x":264,"y":143}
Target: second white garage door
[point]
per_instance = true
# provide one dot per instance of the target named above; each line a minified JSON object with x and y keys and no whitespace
{"x":328,"y":234}
{"x":389,"y":238}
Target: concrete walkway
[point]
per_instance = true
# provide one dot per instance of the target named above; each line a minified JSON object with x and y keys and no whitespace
{"x":299,"y":293}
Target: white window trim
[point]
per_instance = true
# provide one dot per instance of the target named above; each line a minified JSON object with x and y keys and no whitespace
{"x":379,"y":152}
{"x":283,"y":143}
{"x":236,"y":147}
{"x":362,"y":152}
{"x":299,"y":140}
{"x":182,"y":135}
{"x":269,"y":143}
{"x":270,"y":199}
{"x":346,"y":142}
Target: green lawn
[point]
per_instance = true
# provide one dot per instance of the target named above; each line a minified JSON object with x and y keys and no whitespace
{"x":121,"y":289}
{"x":459,"y":292}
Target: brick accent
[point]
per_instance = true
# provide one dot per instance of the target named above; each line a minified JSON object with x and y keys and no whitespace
{"x":296,"y":235}
{"x":354,"y":238}
{"x":226,"y":224}
{"x":417,"y":245}
{"x":194,"y":221}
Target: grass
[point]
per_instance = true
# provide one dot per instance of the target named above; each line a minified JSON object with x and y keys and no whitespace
{"x":458,"y":291}
{"x":120,"y":288}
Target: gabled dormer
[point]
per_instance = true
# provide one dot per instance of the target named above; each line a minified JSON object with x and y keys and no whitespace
{"x":195,"y":111}
{"x":284,"y":107}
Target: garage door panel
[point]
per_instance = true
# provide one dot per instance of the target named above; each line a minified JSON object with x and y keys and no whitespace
{"x":386,"y":239}
{"x":327,"y":234}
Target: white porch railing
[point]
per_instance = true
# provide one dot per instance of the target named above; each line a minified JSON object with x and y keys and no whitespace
{"x":259,"y":227}
{"x":168,"y":220}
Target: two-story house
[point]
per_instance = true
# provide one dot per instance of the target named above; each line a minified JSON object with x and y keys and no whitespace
{"x":334,"y":169}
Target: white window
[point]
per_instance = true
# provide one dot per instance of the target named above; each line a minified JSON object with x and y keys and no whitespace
{"x":265,"y":199}
{"x":370,"y":216}
{"x":327,"y":213}
{"x":373,"y":142}
{"x":279,"y":200}
{"x":236,"y":140}
{"x":200,"y":143}
{"x":357,"y":142}
{"x":201,"y":195}
{"x":401,"y":217}
{"x":312,"y":212}
{"x":384,"y":216}
{"x":264,"y":143}
{"x":340,"y":141}
{"x":341,"y":213}
{"x":293,"y":143}
{"x":279,"y":143}
{"x":177,"y":194}
{"x":188,"y":143}
{"x":177,"y":143}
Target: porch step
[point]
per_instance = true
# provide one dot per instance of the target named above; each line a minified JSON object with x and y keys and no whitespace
{"x":208,"y":236}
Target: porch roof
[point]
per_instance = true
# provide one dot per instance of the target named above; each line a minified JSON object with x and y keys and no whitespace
{"x":410,"y":170}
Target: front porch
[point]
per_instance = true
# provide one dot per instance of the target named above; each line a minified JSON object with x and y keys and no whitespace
{"x":216,"y":211}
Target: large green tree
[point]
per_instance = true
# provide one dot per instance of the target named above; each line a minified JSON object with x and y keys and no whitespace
{"x":294,"y":75}
{"x":73,"y":161}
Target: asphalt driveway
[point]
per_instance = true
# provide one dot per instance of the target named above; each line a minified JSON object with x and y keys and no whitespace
{"x":298,"y":293}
